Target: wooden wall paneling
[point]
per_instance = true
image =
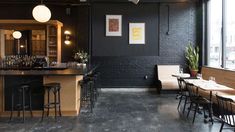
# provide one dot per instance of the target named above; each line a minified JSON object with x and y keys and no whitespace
{"x":222,"y":76}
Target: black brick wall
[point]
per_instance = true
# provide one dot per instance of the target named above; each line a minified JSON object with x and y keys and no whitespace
{"x":129,"y":70}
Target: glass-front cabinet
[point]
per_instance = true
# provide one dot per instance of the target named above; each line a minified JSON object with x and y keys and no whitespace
{"x":52,"y":47}
{"x":34,"y":39}
{"x":38,"y":42}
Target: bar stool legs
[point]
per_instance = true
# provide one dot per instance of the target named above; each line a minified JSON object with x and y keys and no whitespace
{"x":12,"y":105}
{"x":91,"y":96}
{"x":59,"y":104}
{"x":30,"y":103}
{"x":48,"y":102}
{"x":23,"y":102}
{"x":55,"y":106}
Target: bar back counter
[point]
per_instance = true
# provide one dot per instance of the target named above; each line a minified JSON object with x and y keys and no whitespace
{"x":36,"y":78}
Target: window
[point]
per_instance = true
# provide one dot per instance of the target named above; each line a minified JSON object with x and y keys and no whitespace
{"x":229,"y":31}
{"x":214,"y":33}
{"x":221,"y":33}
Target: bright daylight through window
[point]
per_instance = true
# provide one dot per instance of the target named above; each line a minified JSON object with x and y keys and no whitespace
{"x":221,"y":33}
{"x":230,"y":34}
{"x":214,"y":33}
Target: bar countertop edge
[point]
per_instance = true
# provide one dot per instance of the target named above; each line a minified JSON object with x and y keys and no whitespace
{"x":48,"y":72}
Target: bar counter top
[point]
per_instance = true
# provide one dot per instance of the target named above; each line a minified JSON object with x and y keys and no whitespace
{"x":48,"y":71}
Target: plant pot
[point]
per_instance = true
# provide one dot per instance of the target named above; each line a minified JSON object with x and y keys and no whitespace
{"x":193,"y":73}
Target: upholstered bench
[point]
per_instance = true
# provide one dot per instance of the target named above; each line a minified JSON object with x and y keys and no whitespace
{"x":165,"y":73}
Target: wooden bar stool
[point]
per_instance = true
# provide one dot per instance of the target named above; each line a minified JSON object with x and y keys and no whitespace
{"x":53,"y":88}
{"x":22,"y":92}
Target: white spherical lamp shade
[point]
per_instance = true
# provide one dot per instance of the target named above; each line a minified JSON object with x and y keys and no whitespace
{"x":17,"y":34}
{"x":41,"y":13}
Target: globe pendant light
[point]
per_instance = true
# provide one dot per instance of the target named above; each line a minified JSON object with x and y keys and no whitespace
{"x":41,"y":13}
{"x":17,"y":34}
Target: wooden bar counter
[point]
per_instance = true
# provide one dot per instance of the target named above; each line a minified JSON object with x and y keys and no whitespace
{"x":68,"y":78}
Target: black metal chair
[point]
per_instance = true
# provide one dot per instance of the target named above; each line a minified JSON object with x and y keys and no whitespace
{"x":226,"y":111}
{"x":87,"y":92}
{"x":22,"y":92}
{"x":94,"y":76}
{"x":183,"y":93}
{"x":55,"y":89}
{"x":89,"y":89}
{"x":84,"y":91}
{"x":198,"y":100}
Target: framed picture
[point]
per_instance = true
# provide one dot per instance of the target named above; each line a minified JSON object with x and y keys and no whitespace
{"x":136,"y":33}
{"x":113,"y":25}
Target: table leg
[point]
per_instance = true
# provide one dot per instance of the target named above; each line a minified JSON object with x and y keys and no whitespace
{"x":210,"y":110}
{"x":211,"y":113}
{"x":199,"y":108}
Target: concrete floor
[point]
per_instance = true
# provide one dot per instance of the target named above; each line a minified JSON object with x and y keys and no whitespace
{"x":121,"y":112}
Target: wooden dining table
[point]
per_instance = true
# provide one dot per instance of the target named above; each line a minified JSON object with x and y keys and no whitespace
{"x":232,"y":97}
{"x":210,"y":86}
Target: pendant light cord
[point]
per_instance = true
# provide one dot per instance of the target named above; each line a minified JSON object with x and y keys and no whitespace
{"x":41,"y":1}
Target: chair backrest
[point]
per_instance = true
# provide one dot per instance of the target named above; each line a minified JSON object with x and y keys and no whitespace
{"x":165,"y":71}
{"x":192,"y":90}
{"x":182,"y":84}
{"x":226,"y":110}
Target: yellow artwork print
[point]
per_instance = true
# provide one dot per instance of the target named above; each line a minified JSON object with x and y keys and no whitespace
{"x":137,"y":33}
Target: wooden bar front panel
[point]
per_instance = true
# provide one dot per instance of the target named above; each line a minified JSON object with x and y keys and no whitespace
{"x":70,"y":95}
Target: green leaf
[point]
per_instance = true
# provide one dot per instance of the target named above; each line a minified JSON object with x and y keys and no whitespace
{"x":192,"y":56}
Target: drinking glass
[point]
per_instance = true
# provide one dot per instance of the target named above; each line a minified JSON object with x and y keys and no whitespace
{"x":212,"y":79}
{"x":199,"y":76}
{"x":181,"y":70}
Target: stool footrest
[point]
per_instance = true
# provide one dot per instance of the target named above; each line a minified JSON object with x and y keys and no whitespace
{"x":51,"y":105}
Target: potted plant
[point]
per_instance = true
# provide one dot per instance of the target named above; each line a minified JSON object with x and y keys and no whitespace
{"x":81,"y":57}
{"x":192,"y":56}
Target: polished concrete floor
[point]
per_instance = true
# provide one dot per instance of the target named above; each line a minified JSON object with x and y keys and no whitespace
{"x":120,"y":112}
